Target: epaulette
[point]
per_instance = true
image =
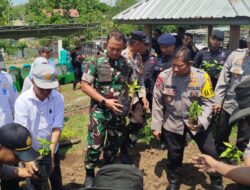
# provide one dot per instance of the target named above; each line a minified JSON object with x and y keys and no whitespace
{"x":199,"y":70}
{"x":241,"y":50}
{"x":205,"y":48}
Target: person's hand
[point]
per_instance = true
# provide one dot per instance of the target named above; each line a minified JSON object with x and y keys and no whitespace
{"x":194,"y":127}
{"x":52,"y":164}
{"x":145,"y":103}
{"x":23,"y":173}
{"x":113,"y":105}
{"x":216,"y":108}
{"x":205,"y":163}
{"x":157,"y":134}
{"x":31,"y":167}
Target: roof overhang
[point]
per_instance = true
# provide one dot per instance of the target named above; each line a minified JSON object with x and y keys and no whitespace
{"x":193,"y":21}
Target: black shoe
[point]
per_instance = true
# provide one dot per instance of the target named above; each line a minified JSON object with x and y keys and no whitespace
{"x":89,"y":180}
{"x":132,"y":140}
{"x":125,"y":159}
{"x":162,"y":146}
{"x":174,"y":180}
{"x":173,"y":186}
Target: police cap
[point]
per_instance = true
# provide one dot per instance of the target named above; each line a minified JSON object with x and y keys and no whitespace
{"x":18,"y":139}
{"x":139,"y":36}
{"x":219,"y":35}
{"x":166,"y":40}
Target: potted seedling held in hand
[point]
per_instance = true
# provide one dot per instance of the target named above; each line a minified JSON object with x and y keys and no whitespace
{"x":194,"y":112}
{"x":126,"y":98}
{"x":43,"y":162}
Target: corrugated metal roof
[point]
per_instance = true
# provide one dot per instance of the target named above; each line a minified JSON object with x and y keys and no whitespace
{"x":184,"y":10}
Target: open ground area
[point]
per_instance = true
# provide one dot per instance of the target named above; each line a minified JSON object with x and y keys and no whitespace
{"x":146,"y":157}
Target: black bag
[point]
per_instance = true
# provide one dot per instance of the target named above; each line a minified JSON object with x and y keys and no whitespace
{"x":118,"y":177}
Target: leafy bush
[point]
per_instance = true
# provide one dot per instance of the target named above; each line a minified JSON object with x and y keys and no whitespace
{"x":67,"y":134}
{"x":232,"y":153}
{"x":146,"y":135}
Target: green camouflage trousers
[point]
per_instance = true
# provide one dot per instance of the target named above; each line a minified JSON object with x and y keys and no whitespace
{"x":102,"y":122}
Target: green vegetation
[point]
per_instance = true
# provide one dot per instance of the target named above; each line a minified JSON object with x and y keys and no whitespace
{"x":45,"y":147}
{"x":67,"y":134}
{"x":207,"y":65}
{"x":232,"y":153}
{"x":133,"y":88}
{"x":194,"y":111}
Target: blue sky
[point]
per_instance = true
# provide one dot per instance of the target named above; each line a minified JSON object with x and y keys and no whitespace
{"x":17,"y":2}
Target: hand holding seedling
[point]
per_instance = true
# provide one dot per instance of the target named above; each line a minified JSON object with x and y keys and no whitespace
{"x":31,"y":167}
{"x":216,"y":108}
{"x":194,"y":127}
{"x":23,"y":173}
{"x":157,"y":134}
{"x":145,"y":103}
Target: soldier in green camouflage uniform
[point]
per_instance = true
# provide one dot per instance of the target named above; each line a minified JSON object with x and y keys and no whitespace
{"x":105,"y":81}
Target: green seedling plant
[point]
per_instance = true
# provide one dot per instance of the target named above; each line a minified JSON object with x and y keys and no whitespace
{"x":45,"y":147}
{"x":194,"y":111}
{"x":232,"y":153}
{"x":133,"y":88}
{"x":127,"y":98}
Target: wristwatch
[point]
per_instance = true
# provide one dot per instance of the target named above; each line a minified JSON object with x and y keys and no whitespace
{"x":103,"y":101}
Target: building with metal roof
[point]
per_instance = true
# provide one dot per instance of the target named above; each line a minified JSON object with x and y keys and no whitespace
{"x":39,"y":31}
{"x":189,"y":12}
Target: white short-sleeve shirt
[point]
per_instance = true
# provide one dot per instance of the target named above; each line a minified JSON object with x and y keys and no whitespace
{"x":8,"y":96}
{"x":40,"y":117}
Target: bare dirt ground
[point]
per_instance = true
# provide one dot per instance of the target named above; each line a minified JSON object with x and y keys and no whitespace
{"x":151,"y":162}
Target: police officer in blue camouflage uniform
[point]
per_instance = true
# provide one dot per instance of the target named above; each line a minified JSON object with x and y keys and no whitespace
{"x":212,"y":58}
{"x":155,"y":65}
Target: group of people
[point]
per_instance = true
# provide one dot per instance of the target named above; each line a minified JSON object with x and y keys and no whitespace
{"x":40,"y":109}
{"x":124,"y":82}
{"x":170,"y":82}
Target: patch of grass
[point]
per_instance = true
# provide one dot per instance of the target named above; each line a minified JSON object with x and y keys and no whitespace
{"x":76,"y":126}
{"x":73,"y":99}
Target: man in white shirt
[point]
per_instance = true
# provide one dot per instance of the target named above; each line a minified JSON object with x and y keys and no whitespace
{"x":41,"y":110}
{"x":8,"y":96}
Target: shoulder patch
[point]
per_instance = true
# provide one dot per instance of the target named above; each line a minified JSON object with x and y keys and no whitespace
{"x":159,"y":82}
{"x":207,"y":89}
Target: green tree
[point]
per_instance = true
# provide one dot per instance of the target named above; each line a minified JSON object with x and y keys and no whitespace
{"x":4,"y":12}
{"x":22,"y":45}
